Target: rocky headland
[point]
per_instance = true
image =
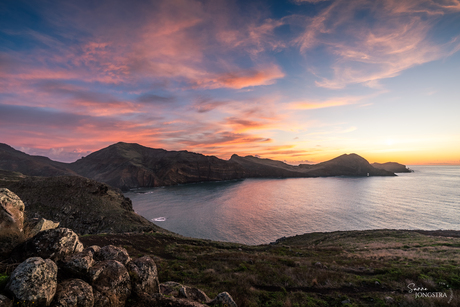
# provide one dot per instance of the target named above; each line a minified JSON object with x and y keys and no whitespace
{"x":392,"y":167}
{"x":127,"y":166}
{"x":81,"y":204}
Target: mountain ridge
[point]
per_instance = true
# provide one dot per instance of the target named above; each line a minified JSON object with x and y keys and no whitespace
{"x":130,"y":165}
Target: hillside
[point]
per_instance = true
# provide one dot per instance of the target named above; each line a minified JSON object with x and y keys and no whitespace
{"x":84,"y":205}
{"x":127,"y":166}
{"x":343,"y":268}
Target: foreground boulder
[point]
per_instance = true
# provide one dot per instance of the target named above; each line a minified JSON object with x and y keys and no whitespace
{"x":111,"y":283}
{"x":74,"y":292}
{"x":34,"y":282}
{"x":11,"y":221}
{"x":55,"y":244}
{"x":79,"y":264}
{"x":11,"y":210}
{"x":144,"y":276}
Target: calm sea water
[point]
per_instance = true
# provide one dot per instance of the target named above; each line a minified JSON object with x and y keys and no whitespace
{"x":256,"y":211}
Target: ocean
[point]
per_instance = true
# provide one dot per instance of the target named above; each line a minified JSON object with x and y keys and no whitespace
{"x":258,"y":211}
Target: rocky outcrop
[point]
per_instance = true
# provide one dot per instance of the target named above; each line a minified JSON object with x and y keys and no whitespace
{"x":103,"y":283}
{"x":392,"y":167}
{"x":55,"y":244}
{"x":73,"y":293}
{"x":34,"y":282}
{"x":81,"y":204}
{"x":57,"y":271}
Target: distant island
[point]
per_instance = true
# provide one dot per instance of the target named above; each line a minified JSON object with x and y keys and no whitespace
{"x":128,"y":165}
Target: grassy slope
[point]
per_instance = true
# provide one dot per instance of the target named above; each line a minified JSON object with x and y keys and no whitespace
{"x":363,"y":267}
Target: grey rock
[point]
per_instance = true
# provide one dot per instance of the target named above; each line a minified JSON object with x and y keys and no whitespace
{"x":177,"y":290}
{"x":111,"y":283}
{"x":11,"y":210}
{"x":73,"y":293}
{"x":144,"y":275}
{"x":111,"y":252}
{"x":41,"y":225}
{"x":34,"y":281}
{"x":223,"y":299}
{"x":196,"y":294}
{"x":5,"y":302}
{"x":79,"y":264}
{"x":55,"y":244}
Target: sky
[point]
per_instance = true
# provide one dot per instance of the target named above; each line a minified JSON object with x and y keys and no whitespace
{"x":301,"y":81}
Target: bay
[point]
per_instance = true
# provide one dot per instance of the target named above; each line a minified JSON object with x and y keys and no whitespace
{"x":258,"y":211}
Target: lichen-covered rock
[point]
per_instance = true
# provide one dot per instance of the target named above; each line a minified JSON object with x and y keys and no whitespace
{"x":79,"y":264}
{"x":55,"y":244}
{"x":11,"y":210}
{"x":11,"y":221}
{"x":175,"y":289}
{"x":5,"y":302}
{"x":223,"y":299}
{"x":196,"y":294}
{"x":73,"y":293}
{"x":34,"y":282}
{"x":111,"y":283}
{"x":41,"y":225}
{"x":111,"y":252}
{"x":144,"y":275}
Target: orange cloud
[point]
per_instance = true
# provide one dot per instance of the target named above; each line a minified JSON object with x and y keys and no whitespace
{"x":251,"y":77}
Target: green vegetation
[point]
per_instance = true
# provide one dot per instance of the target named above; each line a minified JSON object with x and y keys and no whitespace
{"x":359,"y":268}
{"x":3,"y":280}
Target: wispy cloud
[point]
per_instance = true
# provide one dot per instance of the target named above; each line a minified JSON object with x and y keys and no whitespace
{"x":394,"y":36}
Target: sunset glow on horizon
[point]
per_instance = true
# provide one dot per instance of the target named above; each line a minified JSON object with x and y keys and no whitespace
{"x":301,"y":81}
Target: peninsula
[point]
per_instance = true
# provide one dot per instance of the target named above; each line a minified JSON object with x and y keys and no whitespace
{"x":127,"y":166}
